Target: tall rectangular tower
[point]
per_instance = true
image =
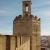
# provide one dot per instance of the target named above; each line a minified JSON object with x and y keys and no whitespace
{"x":28,"y":25}
{"x":26,"y":7}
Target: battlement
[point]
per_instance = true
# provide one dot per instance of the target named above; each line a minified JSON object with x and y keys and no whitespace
{"x":20,"y":17}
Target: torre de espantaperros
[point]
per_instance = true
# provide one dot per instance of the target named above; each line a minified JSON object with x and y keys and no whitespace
{"x":26,"y":31}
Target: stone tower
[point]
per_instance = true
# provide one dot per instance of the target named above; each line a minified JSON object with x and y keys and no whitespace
{"x":26,"y":7}
{"x":28,"y":25}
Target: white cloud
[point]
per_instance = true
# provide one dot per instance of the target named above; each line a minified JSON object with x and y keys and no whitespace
{"x":2,"y":11}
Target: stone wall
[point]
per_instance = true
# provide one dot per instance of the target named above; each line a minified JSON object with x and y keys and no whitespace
{"x":8,"y":42}
{"x":23,"y":43}
{"x":28,"y":26}
{"x":12,"y":43}
{"x":2,"y":42}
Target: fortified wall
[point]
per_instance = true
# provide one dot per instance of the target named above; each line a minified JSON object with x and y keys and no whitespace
{"x":10,"y":42}
{"x":25,"y":25}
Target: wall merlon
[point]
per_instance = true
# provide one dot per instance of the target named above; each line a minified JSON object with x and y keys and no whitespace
{"x":36,"y":17}
{"x":31,"y":16}
{"x":39,"y":19}
{"x":18,"y":17}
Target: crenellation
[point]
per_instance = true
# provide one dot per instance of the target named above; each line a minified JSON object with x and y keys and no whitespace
{"x":15,"y":18}
{"x":31,"y":16}
{"x":35,"y":17}
{"x":18,"y":17}
{"x":25,"y":16}
{"x":39,"y":19}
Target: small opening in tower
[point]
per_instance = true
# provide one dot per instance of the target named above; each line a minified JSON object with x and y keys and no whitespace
{"x":26,"y":8}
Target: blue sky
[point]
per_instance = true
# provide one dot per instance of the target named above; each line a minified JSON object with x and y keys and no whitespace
{"x":9,"y":9}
